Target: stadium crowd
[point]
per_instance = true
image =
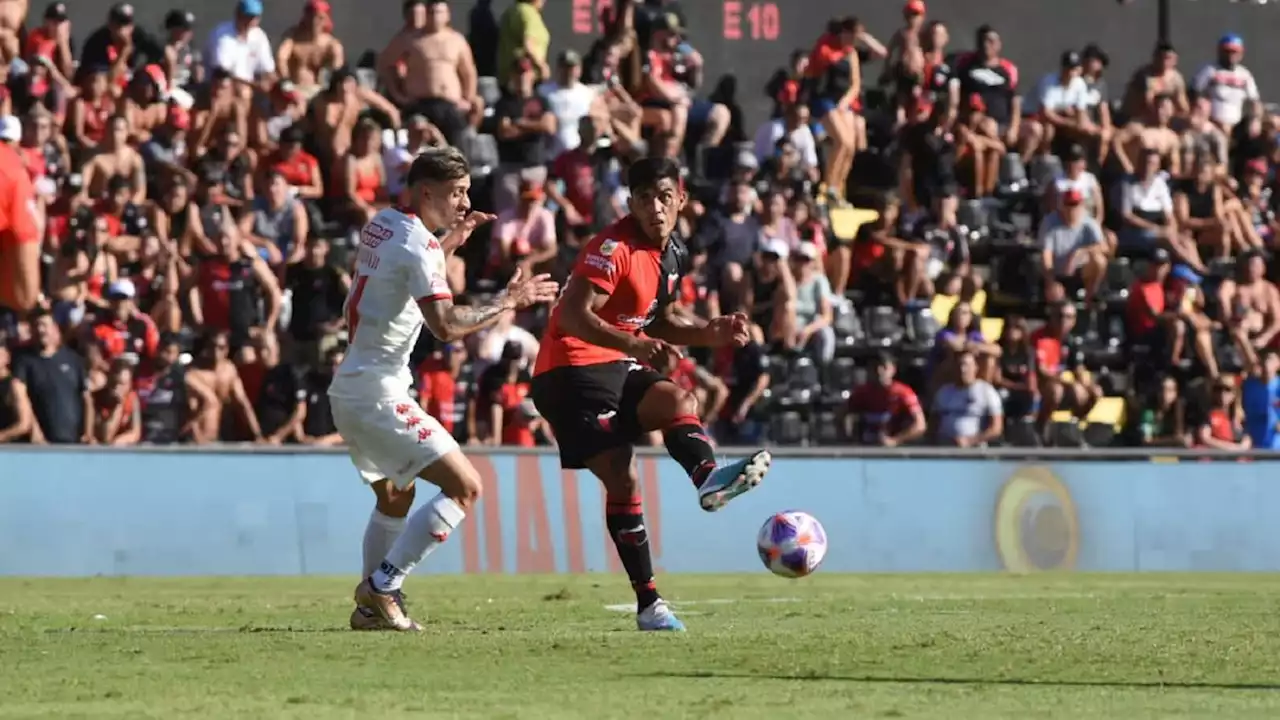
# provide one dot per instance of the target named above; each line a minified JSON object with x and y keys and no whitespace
{"x":932,"y":250}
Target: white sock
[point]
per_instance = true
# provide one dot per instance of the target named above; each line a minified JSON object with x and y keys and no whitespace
{"x":379,"y":535}
{"x":427,"y":528}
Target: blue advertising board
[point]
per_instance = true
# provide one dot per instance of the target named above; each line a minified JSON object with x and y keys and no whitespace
{"x":94,"y":512}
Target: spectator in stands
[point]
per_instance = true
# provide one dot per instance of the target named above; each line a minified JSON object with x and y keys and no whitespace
{"x":231,"y":409}
{"x":82,"y":268}
{"x":835,"y":77}
{"x":994,"y":80}
{"x":283,"y":107}
{"x":279,"y":398}
{"x":521,"y":31}
{"x":240,"y":48}
{"x":419,"y":134}
{"x":524,"y":237}
{"x":814,"y":312}
{"x":1202,"y":141}
{"x":929,"y":167}
{"x":115,"y":159}
{"x":1250,"y":306}
{"x":578,"y":184}
{"x":1160,"y":319}
{"x":884,"y":412}
{"x":1074,"y":252}
{"x":52,"y":40}
{"x":1016,"y":375}
{"x":1260,"y":401}
{"x":978,"y":152}
{"x":144,"y":103}
{"x":118,"y":417}
{"x":298,"y":167}
{"x":672,"y":75}
{"x":1159,"y":77}
{"x":229,"y":166}
{"x":216,"y":111}
{"x":1223,"y":428}
{"x":309,"y":49}
{"x":431,"y":71}
{"x":90,"y":111}
{"x":1146,"y":210}
{"x":1064,"y":383}
{"x":1076,"y":176}
{"x":439,"y":387}
{"x":793,"y":125}
{"x":625,"y":119}
{"x":124,"y":332}
{"x":16,"y":415}
{"x":746,"y":372}
{"x":967,"y":412}
{"x":731,"y":236}
{"x":569,"y":100}
{"x":318,"y":291}
{"x":183,"y":63}
{"x":487,"y":347}
{"x":57,"y":384}
{"x":962,"y":334}
{"x":1227,"y":83}
{"x":1147,"y":134}
{"x":1056,"y":112}
{"x":165,"y":155}
{"x":525,"y":130}
{"x":769,"y":293}
{"x":1200,"y":210}
{"x":1161,"y":419}
{"x":119,"y":46}
{"x":504,"y":414}
{"x":336,"y":113}
{"x":1257,"y":220}
{"x":276,"y":223}
{"x":230,"y":288}
{"x":1098,"y":131}
{"x":317,"y":427}
{"x":360,"y":179}
{"x":173,"y":401}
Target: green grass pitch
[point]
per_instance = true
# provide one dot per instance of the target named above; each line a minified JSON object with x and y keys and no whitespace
{"x":830,"y":646}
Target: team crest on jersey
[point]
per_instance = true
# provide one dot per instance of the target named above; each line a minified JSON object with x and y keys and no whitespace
{"x":607,"y":247}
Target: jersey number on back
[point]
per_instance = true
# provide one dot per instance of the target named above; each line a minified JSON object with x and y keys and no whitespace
{"x":352,"y":309}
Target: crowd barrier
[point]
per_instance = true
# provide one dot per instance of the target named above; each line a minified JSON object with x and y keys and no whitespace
{"x":90,"y":511}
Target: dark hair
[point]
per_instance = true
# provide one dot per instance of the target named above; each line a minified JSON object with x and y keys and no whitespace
{"x":437,"y":165}
{"x":645,"y":173}
{"x":843,"y":25}
{"x":168,"y":338}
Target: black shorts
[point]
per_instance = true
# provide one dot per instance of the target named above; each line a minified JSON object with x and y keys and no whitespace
{"x":442,"y":113}
{"x":593,"y":408}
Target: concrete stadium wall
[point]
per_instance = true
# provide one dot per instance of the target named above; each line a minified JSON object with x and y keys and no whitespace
{"x":752,"y":38}
{"x":92,"y":512}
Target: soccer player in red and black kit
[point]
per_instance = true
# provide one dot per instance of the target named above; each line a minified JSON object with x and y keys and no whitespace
{"x":600,"y":378}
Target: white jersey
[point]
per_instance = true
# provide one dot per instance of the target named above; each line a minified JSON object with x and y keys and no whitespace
{"x":399,"y":263}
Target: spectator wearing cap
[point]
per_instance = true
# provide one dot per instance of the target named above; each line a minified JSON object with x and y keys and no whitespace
{"x":52,"y":40}
{"x":336,"y":112}
{"x":120,"y":47}
{"x":115,"y":158}
{"x":522,"y":31}
{"x":1074,"y":250}
{"x":300,"y":168}
{"x":16,"y":416}
{"x":794,"y":125}
{"x":1057,"y":107}
{"x":1163,"y":308}
{"x":884,"y":412}
{"x":145,"y":103}
{"x":57,"y":383}
{"x":814,"y":311}
{"x":277,"y":223}
{"x":1076,"y":176}
{"x":183,"y":64}
{"x":673,"y":72}
{"x":241,"y":49}
{"x":526,"y":126}
{"x":524,"y":237}
{"x":1227,"y":83}
{"x":1223,"y":425}
{"x":285,"y":107}
{"x":1156,"y":78}
{"x":122,"y":331}
{"x":430,"y":71}
{"x":1150,"y":133}
{"x":569,"y":100}
{"x":1200,"y":210}
{"x":309,"y":49}
{"x":968,"y":412}
{"x":90,"y":111}
{"x":1099,"y":131}
{"x":905,"y":43}
{"x":769,"y":293}
{"x":1250,"y":306}
{"x":993,"y":79}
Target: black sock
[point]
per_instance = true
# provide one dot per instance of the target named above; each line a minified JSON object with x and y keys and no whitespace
{"x":625,"y":520}
{"x":688,"y":444}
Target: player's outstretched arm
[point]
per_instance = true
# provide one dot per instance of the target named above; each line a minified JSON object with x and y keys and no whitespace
{"x":450,"y":322}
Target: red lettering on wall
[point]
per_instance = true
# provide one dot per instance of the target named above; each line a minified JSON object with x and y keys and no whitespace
{"x":765,"y":21}
{"x":534,"y":551}
{"x":732,"y":20}
{"x":572,"y":522}
{"x":582,"y":19}
{"x":491,"y":514}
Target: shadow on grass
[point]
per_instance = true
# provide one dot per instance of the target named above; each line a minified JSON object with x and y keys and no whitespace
{"x":1131,"y":684}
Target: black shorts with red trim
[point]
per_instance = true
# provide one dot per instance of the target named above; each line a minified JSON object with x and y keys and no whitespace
{"x":593,"y":408}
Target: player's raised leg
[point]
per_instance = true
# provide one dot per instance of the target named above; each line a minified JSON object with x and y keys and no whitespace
{"x":624,"y":518}
{"x":674,"y":411}
{"x":427,"y":529}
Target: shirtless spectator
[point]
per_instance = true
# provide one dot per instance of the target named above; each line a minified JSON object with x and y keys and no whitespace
{"x":1251,"y":307}
{"x":431,"y":72}
{"x":284,"y":107}
{"x":1152,"y":133}
{"x":309,"y":49}
{"x":217,"y":111}
{"x":115,"y":158}
{"x":119,"y":46}
{"x":1159,"y":77}
{"x":213,"y":369}
{"x":52,"y":39}
{"x":183,"y":63}
{"x":144,"y":104}
{"x":335,"y":112}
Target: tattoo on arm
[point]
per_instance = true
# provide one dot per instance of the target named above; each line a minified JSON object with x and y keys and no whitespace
{"x":450,"y":322}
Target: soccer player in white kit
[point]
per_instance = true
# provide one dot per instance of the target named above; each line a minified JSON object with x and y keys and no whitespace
{"x":399,"y":286}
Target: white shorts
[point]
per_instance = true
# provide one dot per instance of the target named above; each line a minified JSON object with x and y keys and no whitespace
{"x":392,"y":438}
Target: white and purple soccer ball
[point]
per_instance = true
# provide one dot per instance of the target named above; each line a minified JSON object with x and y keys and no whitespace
{"x":792,"y":544}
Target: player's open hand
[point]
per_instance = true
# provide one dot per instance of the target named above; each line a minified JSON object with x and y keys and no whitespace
{"x":660,"y":355}
{"x":732,"y":329}
{"x":537,"y":289}
{"x":460,"y":233}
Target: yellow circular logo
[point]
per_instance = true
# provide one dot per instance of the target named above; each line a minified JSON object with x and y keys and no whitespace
{"x":1036,"y":524}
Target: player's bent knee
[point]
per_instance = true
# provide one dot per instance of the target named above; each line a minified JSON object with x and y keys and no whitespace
{"x":391,"y":500}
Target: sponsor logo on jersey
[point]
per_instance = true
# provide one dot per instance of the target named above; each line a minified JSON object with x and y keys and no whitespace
{"x":638,"y":321}
{"x":601,"y":263}
{"x":374,"y":235}
{"x":608,"y":246}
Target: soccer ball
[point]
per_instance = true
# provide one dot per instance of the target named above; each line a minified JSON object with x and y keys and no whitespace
{"x":792,"y":544}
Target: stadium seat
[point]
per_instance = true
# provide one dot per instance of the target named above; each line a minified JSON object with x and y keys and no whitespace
{"x":992,"y":329}
{"x":825,"y":428}
{"x":1013,"y":176}
{"x":804,"y":374}
{"x":883,"y":326}
{"x":942,"y":305}
{"x":840,"y":374}
{"x":1065,"y":433}
{"x":1107,"y":411}
{"x":847,"y":324}
{"x":922,"y":328}
{"x":1021,"y":433}
{"x":787,"y":427}
{"x":846,"y":221}
{"x":490,"y":92}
